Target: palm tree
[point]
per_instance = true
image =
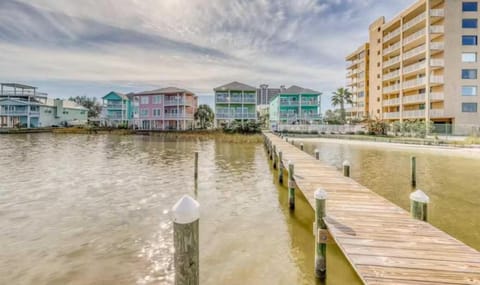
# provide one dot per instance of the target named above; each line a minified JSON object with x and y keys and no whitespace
{"x":341,"y":97}
{"x":205,"y":116}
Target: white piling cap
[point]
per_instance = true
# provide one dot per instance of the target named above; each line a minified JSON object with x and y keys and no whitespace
{"x":346,"y":163}
{"x":316,"y":150}
{"x":419,"y":196}
{"x":186,"y":210}
{"x":320,"y":194}
{"x":290,"y":162}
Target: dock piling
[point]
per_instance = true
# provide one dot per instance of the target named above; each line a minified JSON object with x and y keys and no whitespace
{"x":317,"y":154}
{"x":413,"y":170}
{"x":291,"y":186}
{"x":186,"y":215}
{"x":320,"y":245}
{"x":301,"y":146}
{"x":419,"y":205}
{"x":196,"y":166}
{"x":280,"y":166}
{"x":274,"y":155}
{"x":346,"y":168}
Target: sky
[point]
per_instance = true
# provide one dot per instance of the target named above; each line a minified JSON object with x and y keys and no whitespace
{"x":90,"y":47}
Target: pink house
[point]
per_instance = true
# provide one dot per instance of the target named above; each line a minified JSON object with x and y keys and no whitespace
{"x":168,"y":108}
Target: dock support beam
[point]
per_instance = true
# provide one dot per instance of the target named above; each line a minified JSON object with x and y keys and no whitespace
{"x":280,"y":166}
{"x":196,"y":166}
{"x":320,"y":245}
{"x":186,"y":217}
{"x":291,"y":186}
{"x":413,"y":170}
{"x":346,"y":168}
{"x":317,"y":154}
{"x":419,"y":205}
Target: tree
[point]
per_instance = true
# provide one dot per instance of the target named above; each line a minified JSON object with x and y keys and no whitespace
{"x":205,"y":116}
{"x":341,"y":97}
{"x":332,"y":117}
{"x":94,"y":107}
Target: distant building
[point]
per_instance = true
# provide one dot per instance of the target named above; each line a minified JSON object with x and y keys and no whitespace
{"x":117,"y":109}
{"x":168,"y":108}
{"x":235,"y":101}
{"x":265,"y":96}
{"x":295,"y":106}
{"x":23,"y":106}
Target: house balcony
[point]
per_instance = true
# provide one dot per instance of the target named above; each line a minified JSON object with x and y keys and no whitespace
{"x":413,"y":37}
{"x":414,"y":99}
{"x":437,"y":46}
{"x":414,"y":67}
{"x":414,"y":114}
{"x":391,"y":88}
{"x":391,"y":35}
{"x":437,"y":13}
{"x":309,"y":103}
{"x":236,"y":100}
{"x":392,"y":48}
{"x":180,"y":102}
{"x":236,"y":116}
{"x":414,"y":52}
{"x":415,"y":21}
{"x":289,"y":103}
{"x":178,"y":116}
{"x":115,"y":106}
{"x":391,"y":62}
{"x":391,"y":115}
{"x":19,"y":113}
{"x":437,"y":63}
{"x":296,"y":116}
{"x":437,"y":29}
{"x":391,"y":102}
{"x":391,"y":75}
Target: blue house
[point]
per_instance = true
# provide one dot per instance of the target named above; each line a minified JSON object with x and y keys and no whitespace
{"x":117,"y":109}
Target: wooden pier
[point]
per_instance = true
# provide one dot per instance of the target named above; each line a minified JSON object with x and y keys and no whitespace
{"x":382,"y":242}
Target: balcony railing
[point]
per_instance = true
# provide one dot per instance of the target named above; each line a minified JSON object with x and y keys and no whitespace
{"x":295,"y":116}
{"x":414,"y":114}
{"x":437,"y":96}
{"x":391,"y":102}
{"x":391,"y":115}
{"x":437,"y":63}
{"x":176,"y":102}
{"x":391,"y":75}
{"x":437,"y":13}
{"x":289,"y":103}
{"x":413,"y":37}
{"x":413,"y":52}
{"x":391,"y":35}
{"x":115,"y":106}
{"x":392,"y":48}
{"x":436,"y":113}
{"x":309,"y":102}
{"x":414,"y":67}
{"x":391,"y":88}
{"x":236,"y":115}
{"x":414,"y":82}
{"x":19,"y":113}
{"x":414,"y":99}
{"x":391,"y":61}
{"x":178,"y":116}
{"x":437,"y":29}
{"x":414,"y":21}
{"x":436,"y":79}
{"x":21,"y":94}
{"x":437,"y":46}
{"x":237,"y":100}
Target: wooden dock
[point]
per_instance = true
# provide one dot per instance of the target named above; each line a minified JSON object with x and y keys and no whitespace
{"x":382,"y":242}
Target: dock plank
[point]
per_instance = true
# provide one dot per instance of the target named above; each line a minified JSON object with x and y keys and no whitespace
{"x":381,"y":241}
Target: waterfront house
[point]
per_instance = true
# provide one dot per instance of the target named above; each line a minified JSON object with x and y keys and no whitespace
{"x":294,"y":106}
{"x":22,"y":106}
{"x":117,"y":109}
{"x":235,"y":101}
{"x":168,"y":108}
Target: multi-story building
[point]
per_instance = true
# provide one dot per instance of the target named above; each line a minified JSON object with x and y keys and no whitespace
{"x":265,"y":96}
{"x":168,"y":108}
{"x":357,"y":82}
{"x":424,"y":65}
{"x":295,"y":105}
{"x":117,"y":109}
{"x":22,"y":106}
{"x":235,"y":101}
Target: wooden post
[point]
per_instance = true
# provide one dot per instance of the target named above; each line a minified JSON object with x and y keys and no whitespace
{"x":320,"y":245}
{"x":293,"y":142}
{"x":186,"y":215}
{"x":196,"y":166}
{"x":317,"y":154}
{"x":274,"y":154}
{"x":419,"y":205}
{"x":286,"y":139}
{"x":301,"y":146}
{"x":280,"y":166}
{"x":346,"y":168}
{"x":413,"y":170}
{"x":291,"y":186}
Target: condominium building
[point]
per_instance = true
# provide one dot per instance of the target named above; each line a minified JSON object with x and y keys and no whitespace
{"x":117,"y":109}
{"x":265,"y":94}
{"x":357,"y":81}
{"x":168,"y":108}
{"x":235,"y":101}
{"x":295,"y":106}
{"x":423,"y":64}
{"x":22,"y":106}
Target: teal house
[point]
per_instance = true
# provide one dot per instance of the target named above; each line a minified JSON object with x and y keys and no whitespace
{"x":295,"y":106}
{"x":117,"y":109}
{"x":235,"y":101}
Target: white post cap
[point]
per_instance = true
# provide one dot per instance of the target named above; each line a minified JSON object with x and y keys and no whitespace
{"x":346,"y":163}
{"x":186,"y":210}
{"x":290,"y":163}
{"x":419,"y":196}
{"x":320,"y":194}
{"x":316,"y":150}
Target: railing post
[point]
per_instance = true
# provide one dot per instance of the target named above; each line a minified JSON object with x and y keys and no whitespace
{"x":280,"y":166}
{"x":293,"y":142}
{"x":320,"y":245}
{"x":291,"y":186}
{"x":419,"y":205}
{"x":196,"y":166}
{"x":186,"y":215}
{"x":274,"y":154}
{"x":317,"y":154}
{"x":346,"y":168}
{"x":413,"y":170}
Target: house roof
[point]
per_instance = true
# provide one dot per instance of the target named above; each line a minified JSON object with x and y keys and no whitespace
{"x":17,"y":85}
{"x":121,"y":95}
{"x":166,"y":90}
{"x":294,"y":89}
{"x":66,"y":104}
{"x":235,"y":85}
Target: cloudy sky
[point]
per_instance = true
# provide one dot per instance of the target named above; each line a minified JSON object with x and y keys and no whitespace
{"x":89,"y":47}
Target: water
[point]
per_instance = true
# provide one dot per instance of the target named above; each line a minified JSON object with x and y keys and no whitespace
{"x":78,"y":209}
{"x":449,"y":177}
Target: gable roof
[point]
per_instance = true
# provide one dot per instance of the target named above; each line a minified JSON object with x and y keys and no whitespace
{"x":68,"y":104}
{"x":121,"y":95}
{"x":235,"y":85}
{"x":294,"y":89}
{"x":166,"y":90}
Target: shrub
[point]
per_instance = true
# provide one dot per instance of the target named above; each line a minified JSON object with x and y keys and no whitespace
{"x":360,"y":133}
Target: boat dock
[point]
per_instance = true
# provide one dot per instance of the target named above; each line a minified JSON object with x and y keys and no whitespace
{"x":383,"y":243}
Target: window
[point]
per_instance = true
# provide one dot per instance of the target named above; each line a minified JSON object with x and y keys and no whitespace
{"x":469,"y":74}
{"x":469,"y":40}
{"x":157,"y":99}
{"x":469,"y":6}
{"x":422,"y":91}
{"x":421,"y":107}
{"x":144,"y":100}
{"x":469,"y":107}
{"x":469,"y":23}
{"x":469,"y":57}
{"x":157,"y":112}
{"x":144,"y":112}
{"x":469,"y":90}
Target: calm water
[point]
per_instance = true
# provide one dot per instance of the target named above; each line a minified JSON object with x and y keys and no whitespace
{"x":77,"y":209}
{"x":449,"y":179}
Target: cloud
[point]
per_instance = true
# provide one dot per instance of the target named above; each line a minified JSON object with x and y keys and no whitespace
{"x":196,"y":44}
